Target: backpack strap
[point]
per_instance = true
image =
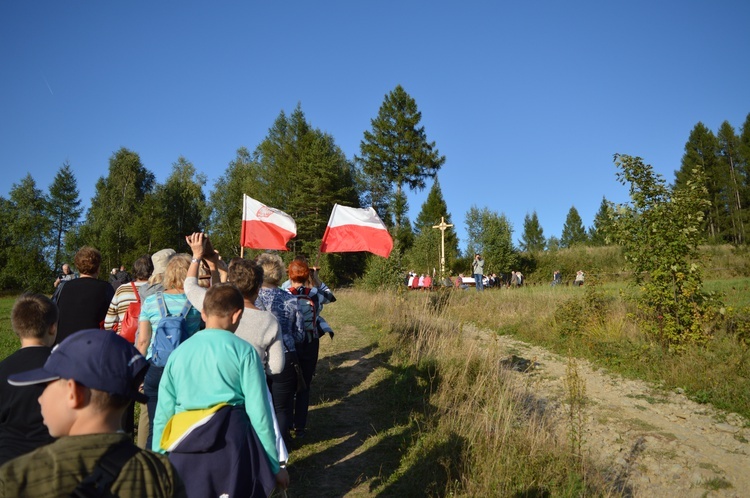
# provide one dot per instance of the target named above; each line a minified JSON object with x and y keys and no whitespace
{"x":163,"y":311}
{"x":135,"y":291}
{"x":98,"y":483}
{"x":186,"y":308}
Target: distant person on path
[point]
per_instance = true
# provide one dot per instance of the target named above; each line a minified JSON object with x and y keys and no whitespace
{"x":477,"y":267}
{"x":580,"y":276}
{"x":460,"y":282}
{"x":83,"y":302}
{"x":119,"y":277}
{"x":65,"y":275}
{"x":88,"y":381}
{"x":34,"y":320}
{"x":556,"y":278}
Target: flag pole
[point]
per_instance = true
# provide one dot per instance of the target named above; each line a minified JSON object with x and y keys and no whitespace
{"x":242,"y":230}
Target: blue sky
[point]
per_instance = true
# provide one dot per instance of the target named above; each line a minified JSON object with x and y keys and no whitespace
{"x":528,"y":101}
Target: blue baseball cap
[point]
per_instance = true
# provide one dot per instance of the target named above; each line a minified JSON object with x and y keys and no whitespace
{"x":98,"y":359}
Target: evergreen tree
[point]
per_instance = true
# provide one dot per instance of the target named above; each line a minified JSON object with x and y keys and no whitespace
{"x":26,"y":232}
{"x":701,"y":151}
{"x":396,"y":155}
{"x":425,"y":253}
{"x":115,"y":221}
{"x":301,"y":171}
{"x":730,"y":165}
{"x":63,"y":209}
{"x":490,"y":235}
{"x":532,"y":239}
{"x":573,"y":232}
{"x":599,"y":232}
{"x":743,"y":160}
{"x":304,"y":173}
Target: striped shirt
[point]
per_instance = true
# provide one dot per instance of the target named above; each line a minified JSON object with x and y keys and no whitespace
{"x":124,"y":295}
{"x":56,"y":469}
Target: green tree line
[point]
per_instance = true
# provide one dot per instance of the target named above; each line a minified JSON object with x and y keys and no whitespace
{"x":301,"y":170}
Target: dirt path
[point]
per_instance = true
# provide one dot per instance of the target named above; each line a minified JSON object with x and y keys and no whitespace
{"x":655,"y":443}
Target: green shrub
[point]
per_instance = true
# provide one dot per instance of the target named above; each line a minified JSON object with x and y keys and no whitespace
{"x":581,"y":313}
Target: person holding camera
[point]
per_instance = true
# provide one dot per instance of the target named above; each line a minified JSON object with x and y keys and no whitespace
{"x":65,"y":275}
{"x":477,"y":267}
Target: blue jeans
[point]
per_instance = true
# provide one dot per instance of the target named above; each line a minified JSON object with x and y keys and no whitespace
{"x":478,"y":281}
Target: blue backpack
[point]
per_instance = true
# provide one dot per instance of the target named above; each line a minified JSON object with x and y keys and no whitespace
{"x":170,"y":333}
{"x":308,"y":308}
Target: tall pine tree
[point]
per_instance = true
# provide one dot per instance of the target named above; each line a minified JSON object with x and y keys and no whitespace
{"x":304,"y":173}
{"x":730,"y":167}
{"x":701,"y":151}
{"x":573,"y":232}
{"x":600,"y":231}
{"x":426,"y":250}
{"x":396,"y":155}
{"x":532,"y":239}
{"x":63,"y":209}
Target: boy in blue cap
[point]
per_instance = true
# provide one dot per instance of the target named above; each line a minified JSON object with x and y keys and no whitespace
{"x":90,"y":379}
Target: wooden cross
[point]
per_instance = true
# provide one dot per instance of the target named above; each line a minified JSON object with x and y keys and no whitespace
{"x":443,"y":226}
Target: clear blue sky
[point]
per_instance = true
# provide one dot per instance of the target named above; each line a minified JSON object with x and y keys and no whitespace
{"x":528,"y":101}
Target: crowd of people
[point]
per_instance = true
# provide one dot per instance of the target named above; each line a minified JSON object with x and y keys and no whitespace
{"x":480,"y":281}
{"x":219,"y":357}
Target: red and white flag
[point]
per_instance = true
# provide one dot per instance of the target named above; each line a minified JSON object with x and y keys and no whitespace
{"x":353,"y":229}
{"x":264,"y":227}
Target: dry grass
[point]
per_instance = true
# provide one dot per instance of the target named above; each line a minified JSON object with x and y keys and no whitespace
{"x":485,"y":429}
{"x":596,"y":322}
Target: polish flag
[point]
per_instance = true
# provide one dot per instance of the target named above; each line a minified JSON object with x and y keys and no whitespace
{"x":264,"y":227}
{"x":353,"y":229}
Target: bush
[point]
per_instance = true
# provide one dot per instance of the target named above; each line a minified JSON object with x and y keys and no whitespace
{"x":581,"y":313}
{"x":383,"y":273}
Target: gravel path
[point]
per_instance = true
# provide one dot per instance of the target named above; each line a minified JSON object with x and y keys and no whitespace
{"x":654,"y":443}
